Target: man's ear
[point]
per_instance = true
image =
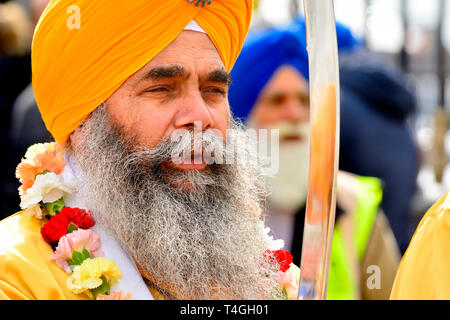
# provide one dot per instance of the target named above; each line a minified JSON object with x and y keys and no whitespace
{"x":72,"y":140}
{"x":75,"y":137}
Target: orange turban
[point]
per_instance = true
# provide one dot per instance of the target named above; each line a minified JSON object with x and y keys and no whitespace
{"x":77,"y":69}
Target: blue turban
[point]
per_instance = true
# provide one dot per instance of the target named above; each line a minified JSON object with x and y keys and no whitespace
{"x":263,"y":53}
{"x":345,"y":39}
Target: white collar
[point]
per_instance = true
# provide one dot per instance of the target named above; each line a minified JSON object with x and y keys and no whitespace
{"x":132,"y":281}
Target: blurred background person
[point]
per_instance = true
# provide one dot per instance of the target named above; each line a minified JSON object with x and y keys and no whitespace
{"x":376,"y":139}
{"x":24,"y":125}
{"x":270,"y":91}
{"x":15,"y":75}
{"x":413,"y":36}
{"x":25,"y":111}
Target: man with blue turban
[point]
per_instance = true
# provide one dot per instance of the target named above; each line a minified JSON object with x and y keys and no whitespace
{"x":270,"y":91}
{"x":376,"y":103}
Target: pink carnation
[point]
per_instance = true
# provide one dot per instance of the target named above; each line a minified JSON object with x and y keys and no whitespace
{"x":76,"y":241}
{"x":288,"y":281}
{"x":117,"y":295}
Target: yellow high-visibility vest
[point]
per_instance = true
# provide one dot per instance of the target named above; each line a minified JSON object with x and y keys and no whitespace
{"x":341,"y":281}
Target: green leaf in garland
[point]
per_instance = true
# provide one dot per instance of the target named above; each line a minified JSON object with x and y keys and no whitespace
{"x":71,"y":228}
{"x":39,"y":173}
{"x":280,"y":293}
{"x":104,"y":288}
{"x":285,"y":294}
{"x":55,"y":207}
{"x":78,"y":257}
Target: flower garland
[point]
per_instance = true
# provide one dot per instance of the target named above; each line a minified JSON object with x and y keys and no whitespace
{"x":288,"y":275}
{"x":77,"y":248}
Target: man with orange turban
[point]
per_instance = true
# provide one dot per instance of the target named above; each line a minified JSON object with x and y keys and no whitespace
{"x":121,"y":206}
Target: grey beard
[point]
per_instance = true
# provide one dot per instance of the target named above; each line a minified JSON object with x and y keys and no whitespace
{"x":201,"y":242}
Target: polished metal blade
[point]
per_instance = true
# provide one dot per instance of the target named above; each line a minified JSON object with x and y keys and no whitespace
{"x":324,"y":148}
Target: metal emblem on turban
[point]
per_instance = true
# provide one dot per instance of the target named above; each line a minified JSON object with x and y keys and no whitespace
{"x":200,"y":2}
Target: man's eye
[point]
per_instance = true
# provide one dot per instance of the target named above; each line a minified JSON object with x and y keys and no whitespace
{"x":214,"y":90}
{"x":159,"y":89}
{"x":304,"y":99}
{"x":277,"y":99}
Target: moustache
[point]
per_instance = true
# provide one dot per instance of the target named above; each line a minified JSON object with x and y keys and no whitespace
{"x":181,"y":147}
{"x":293,"y":131}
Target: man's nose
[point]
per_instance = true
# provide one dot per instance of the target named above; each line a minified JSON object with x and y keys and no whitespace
{"x":193,"y":111}
{"x":296,"y":112}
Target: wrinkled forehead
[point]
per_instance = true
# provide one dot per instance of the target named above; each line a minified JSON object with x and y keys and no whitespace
{"x":192,"y":53}
{"x":190,"y":47}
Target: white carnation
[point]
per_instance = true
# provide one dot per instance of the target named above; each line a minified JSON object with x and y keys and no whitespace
{"x":34,"y":211}
{"x":47,"y":188}
{"x":271,"y":243}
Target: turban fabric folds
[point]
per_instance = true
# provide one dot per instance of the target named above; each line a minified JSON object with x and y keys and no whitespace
{"x":263,"y":53}
{"x":77,"y":69}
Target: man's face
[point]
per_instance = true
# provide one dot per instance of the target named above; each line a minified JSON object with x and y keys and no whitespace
{"x":284,"y":105}
{"x":186,"y":83}
{"x":189,"y":229}
{"x":285,"y":98}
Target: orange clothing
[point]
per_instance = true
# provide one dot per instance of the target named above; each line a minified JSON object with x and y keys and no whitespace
{"x":26,"y":271}
{"x":424,"y":272}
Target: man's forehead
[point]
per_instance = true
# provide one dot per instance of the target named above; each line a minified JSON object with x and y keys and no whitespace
{"x":179,"y":70}
{"x":191,"y":52}
{"x":287,"y":78}
{"x":189,"y":46}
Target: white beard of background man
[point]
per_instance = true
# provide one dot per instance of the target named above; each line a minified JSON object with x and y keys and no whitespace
{"x":273,"y":94}
{"x":283,"y":105}
{"x":288,"y":188}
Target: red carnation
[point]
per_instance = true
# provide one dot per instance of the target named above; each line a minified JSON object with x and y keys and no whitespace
{"x":81,"y":218}
{"x":55,"y":228}
{"x":284,"y":258}
{"x":58,"y":225}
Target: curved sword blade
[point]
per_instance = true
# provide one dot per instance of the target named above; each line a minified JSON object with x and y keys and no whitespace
{"x":324,"y":148}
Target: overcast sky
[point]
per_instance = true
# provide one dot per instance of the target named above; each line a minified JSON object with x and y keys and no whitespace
{"x":383,"y":19}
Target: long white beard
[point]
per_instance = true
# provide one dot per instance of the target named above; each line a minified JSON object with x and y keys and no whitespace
{"x":199,"y":245}
{"x":289,"y":186}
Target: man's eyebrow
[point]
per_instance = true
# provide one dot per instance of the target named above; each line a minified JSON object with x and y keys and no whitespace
{"x":161,"y":72}
{"x":219,"y":75}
